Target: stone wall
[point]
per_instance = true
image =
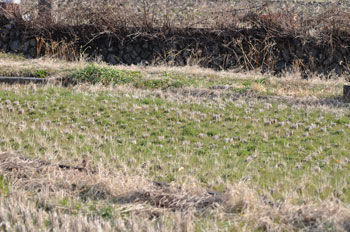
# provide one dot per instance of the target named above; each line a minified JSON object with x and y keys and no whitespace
{"x":244,"y":49}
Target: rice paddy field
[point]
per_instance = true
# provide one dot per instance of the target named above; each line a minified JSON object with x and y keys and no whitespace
{"x":171,"y":149}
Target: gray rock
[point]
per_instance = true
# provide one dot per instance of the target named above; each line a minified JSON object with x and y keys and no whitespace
{"x":32,"y":42}
{"x":32,"y":52}
{"x":181,"y":45}
{"x":111,"y":59}
{"x":328,"y":61}
{"x":9,"y":26}
{"x":108,"y":43}
{"x":12,"y":35}
{"x":5,"y":47}
{"x":314,"y":52}
{"x":127,"y":59}
{"x":137,"y":49}
{"x":128,"y":49}
{"x":186,"y":54}
{"x":154,"y":43}
{"x":162,"y":45}
{"x":145,"y":54}
{"x":145,"y":45}
{"x":180,"y":61}
{"x":15,"y":45}
{"x":236,"y":50}
{"x":27,"y":56}
{"x":299,"y":52}
{"x":134,"y":54}
{"x":5,"y":36}
{"x":321,"y":57}
{"x":138,"y":60}
{"x":216,"y":51}
{"x":111,"y":49}
{"x":25,"y":47}
{"x":157,"y":50}
{"x":103,"y":51}
{"x":338,"y":70}
{"x":280,"y":65}
{"x":338,"y":57}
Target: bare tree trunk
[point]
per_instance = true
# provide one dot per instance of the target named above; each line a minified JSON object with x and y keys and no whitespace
{"x":44,"y":7}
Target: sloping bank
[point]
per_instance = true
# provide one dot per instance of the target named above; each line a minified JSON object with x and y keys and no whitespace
{"x":256,"y":47}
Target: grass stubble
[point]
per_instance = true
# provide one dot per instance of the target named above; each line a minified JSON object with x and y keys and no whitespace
{"x":189,"y":149}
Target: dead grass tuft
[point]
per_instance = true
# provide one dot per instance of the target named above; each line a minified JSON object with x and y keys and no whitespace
{"x":38,"y":175}
{"x":155,"y":198}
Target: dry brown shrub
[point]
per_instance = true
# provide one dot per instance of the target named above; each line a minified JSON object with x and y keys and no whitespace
{"x":256,"y":28}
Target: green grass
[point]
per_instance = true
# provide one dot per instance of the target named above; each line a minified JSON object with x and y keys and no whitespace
{"x":26,"y":72}
{"x":167,"y":136}
{"x":95,"y":74}
{"x":40,"y":73}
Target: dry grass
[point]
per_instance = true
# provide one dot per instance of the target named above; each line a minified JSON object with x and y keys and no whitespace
{"x":291,"y":84}
{"x":81,"y":181}
{"x":143,"y":199}
{"x":217,"y":14}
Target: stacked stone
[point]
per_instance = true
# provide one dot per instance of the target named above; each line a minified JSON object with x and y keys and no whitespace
{"x":10,"y":38}
{"x":205,"y":49}
{"x":134,"y":52}
{"x":29,"y":49}
{"x":215,"y":54}
{"x":12,"y":41}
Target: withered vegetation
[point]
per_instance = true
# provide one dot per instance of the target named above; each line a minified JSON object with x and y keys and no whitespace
{"x":267,"y":35}
{"x":143,"y":198}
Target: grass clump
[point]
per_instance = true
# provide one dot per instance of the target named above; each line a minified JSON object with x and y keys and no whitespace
{"x":105,"y":75}
{"x":40,"y":73}
{"x":25,"y":72}
{"x":95,"y":74}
